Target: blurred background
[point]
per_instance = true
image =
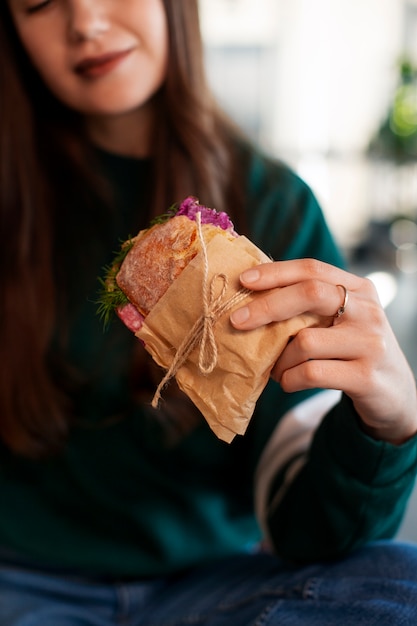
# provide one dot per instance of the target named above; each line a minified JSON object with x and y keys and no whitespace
{"x":330,"y":87}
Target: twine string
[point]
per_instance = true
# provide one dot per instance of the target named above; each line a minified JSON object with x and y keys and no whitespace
{"x":202,"y":332}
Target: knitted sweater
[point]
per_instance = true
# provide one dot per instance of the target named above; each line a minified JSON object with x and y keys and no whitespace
{"x":123,"y":501}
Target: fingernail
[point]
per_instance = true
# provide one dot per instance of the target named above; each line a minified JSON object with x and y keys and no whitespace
{"x":240,"y":315}
{"x":250,"y":276}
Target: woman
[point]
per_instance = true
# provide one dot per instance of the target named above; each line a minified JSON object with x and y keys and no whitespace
{"x":111,"y":510}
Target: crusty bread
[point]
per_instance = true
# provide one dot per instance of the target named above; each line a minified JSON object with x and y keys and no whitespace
{"x":157,"y":258}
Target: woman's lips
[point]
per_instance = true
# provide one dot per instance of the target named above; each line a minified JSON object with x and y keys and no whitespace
{"x":95,"y":67}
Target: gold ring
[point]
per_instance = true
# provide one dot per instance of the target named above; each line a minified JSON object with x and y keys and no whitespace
{"x":342,"y":308}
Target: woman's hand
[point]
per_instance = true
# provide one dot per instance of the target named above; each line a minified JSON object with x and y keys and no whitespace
{"x":358,"y":354}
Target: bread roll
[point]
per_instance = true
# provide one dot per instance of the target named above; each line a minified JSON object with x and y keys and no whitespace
{"x":158,"y":257}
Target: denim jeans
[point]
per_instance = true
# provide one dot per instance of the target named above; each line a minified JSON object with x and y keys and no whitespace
{"x":376,"y":585}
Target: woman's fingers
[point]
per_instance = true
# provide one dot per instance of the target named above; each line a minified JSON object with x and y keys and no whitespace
{"x":323,"y":357}
{"x":283,"y":273}
{"x":282,"y":303}
{"x":322,"y":374}
{"x":290,"y":288}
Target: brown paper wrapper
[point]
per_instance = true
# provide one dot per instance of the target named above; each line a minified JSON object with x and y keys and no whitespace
{"x":227,"y":396}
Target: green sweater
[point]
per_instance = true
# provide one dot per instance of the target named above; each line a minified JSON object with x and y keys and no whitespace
{"x":122,"y":502}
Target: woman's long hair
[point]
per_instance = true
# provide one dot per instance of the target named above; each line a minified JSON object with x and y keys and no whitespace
{"x":194,"y":155}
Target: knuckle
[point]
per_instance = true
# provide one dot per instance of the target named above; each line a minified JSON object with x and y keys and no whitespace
{"x":370,"y":292}
{"x":305,"y":341}
{"x":374,"y":319}
{"x":263,"y":307}
{"x":312,"y":372}
{"x":312,"y":267}
{"x":310,"y":376}
{"x":367,"y":376}
{"x":314,"y":290}
{"x":369,"y":287}
{"x":378,"y":347}
{"x":287,"y":381}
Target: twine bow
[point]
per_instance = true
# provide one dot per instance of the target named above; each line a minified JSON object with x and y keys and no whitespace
{"x":202,"y":332}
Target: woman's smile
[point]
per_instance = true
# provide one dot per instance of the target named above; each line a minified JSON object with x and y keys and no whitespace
{"x":98,"y":57}
{"x":96,"y":67}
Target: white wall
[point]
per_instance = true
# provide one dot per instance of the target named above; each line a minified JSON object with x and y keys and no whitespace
{"x":335,"y":71}
{"x":331,"y":70}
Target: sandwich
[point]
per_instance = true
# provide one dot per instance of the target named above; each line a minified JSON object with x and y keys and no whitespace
{"x":174,"y":286}
{"x":151,"y":261}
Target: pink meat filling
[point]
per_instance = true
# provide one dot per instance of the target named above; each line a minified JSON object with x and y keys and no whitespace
{"x":131,"y":317}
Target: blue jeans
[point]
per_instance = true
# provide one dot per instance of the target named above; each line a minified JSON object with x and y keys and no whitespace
{"x":376,"y":585}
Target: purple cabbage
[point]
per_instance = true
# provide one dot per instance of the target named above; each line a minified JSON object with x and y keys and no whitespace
{"x":190,"y":207}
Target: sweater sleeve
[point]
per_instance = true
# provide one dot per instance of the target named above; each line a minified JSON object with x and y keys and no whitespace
{"x":352,"y":489}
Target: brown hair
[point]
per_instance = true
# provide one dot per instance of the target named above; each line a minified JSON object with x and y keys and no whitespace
{"x":194,"y":155}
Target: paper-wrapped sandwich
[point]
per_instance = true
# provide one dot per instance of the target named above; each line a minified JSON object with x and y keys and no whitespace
{"x":174,"y":285}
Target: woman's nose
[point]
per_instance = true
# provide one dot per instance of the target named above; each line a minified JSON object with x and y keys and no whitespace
{"x":87,"y":19}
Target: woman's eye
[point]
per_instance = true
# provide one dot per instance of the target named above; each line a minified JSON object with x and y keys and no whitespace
{"x":38,"y":6}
